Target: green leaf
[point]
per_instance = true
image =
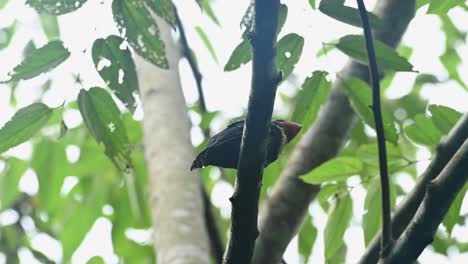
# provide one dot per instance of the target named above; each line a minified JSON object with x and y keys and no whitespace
{"x":9,"y":180}
{"x":337,"y":169}
{"x":453,"y":35}
{"x":96,"y":260}
{"x":307,"y":237}
{"x":442,"y":7}
{"x":451,"y":218}
{"x":6,"y":34}
{"x":387,"y":58}
{"x":360,"y":95}
{"x":49,"y":161}
{"x":207,"y":43}
{"x":444,"y":118}
{"x":120,"y":75}
{"x":205,"y":5}
{"x":23,"y":125}
{"x":3,"y":3}
{"x":50,"y":26}
{"x":369,"y":152}
{"x":328,"y":192}
{"x":141,"y":31}
{"x":337,"y":10}
{"x":289,"y":50}
{"x":40,"y":60}
{"x":315,"y":91}
{"x":423,"y":131}
{"x":451,"y":60}
{"x":242,"y":54}
{"x":312,"y":4}
{"x":164,"y":9}
{"x":339,"y":218}
{"x":103,"y":120}
{"x":55,"y":7}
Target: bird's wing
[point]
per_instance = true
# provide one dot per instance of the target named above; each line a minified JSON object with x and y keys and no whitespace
{"x":232,"y":133}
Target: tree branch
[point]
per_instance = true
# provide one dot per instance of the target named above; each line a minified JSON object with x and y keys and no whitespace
{"x":284,"y":211}
{"x":440,"y":194}
{"x":387,"y":239}
{"x":265,"y":79}
{"x":406,"y":210}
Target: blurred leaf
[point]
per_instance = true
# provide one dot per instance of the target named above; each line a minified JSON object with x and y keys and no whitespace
{"x":289,"y":50}
{"x":134,"y":130}
{"x":164,"y":9}
{"x":6,"y":34}
{"x":141,"y":31}
{"x":423,"y":131}
{"x":340,"y":256}
{"x":9,"y":180}
{"x":451,"y":218}
{"x":312,"y":4}
{"x":360,"y":95}
{"x":102,"y":118}
{"x":315,"y":91}
{"x":49,"y":161}
{"x":387,"y":58}
{"x":442,"y":7}
{"x":242,"y":54}
{"x":326,"y":48}
{"x":349,"y":15}
{"x":28,"y":49}
{"x":115,"y":65}
{"x":453,"y":35}
{"x":339,"y":218}
{"x":329,"y":191}
{"x":451,"y":60}
{"x":23,"y":125}
{"x":337,"y":169}
{"x":248,"y":19}
{"x":50,"y":26}
{"x":207,"y":43}
{"x":206,"y":7}
{"x":3,"y":3}
{"x":444,"y":118}
{"x":307,"y":237}
{"x":55,"y":7}
{"x":40,"y":60}
{"x":369,"y":152}
{"x":96,"y":260}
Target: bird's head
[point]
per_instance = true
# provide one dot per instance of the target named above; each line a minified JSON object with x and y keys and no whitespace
{"x":291,"y":129}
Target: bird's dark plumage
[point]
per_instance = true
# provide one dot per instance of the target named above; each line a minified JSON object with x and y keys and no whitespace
{"x":223,"y":148}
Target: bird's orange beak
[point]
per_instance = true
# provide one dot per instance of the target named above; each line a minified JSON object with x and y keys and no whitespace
{"x":292,"y":129}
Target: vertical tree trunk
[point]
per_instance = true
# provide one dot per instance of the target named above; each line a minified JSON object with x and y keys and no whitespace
{"x":177,"y":210}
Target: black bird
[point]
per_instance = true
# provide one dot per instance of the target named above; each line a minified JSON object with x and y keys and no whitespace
{"x":223,"y":148}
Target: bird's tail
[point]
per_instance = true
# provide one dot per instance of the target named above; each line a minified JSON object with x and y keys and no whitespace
{"x":198,"y":162}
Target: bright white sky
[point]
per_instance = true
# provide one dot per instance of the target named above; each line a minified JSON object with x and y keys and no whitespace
{"x":226,"y":92}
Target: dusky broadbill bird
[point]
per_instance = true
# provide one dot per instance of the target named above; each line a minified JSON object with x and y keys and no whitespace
{"x":223,"y":148}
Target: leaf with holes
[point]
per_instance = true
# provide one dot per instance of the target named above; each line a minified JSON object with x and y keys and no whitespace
{"x":339,"y":218}
{"x":115,"y":65}
{"x":315,"y":91}
{"x":141,"y":31}
{"x":40,"y":60}
{"x":337,"y":169}
{"x":444,"y":118}
{"x":349,"y":15}
{"x":289,"y":50}
{"x":360,"y":95}
{"x":23,"y":125}
{"x":103,"y":120}
{"x":164,"y":9}
{"x":55,"y":7}
{"x":387,"y":59}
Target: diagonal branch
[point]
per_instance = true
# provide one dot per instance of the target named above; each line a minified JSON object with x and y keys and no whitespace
{"x":387,"y":239}
{"x":284,"y":211}
{"x":440,"y":194}
{"x":406,"y":210}
{"x":265,"y":79}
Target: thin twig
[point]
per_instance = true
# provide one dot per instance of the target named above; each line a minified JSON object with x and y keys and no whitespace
{"x":387,"y":239}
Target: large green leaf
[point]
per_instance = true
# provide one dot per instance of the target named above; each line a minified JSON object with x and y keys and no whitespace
{"x":241,"y":55}
{"x":120,"y":75}
{"x":337,"y":10}
{"x":387,"y":59}
{"x":164,"y":9}
{"x":50,"y":26}
{"x":289,"y":51}
{"x":23,"y":125}
{"x":55,"y":7}
{"x":307,"y":237}
{"x":339,"y":218}
{"x":6,"y":34}
{"x":102,"y":117}
{"x":444,"y":118}
{"x":451,"y":60}
{"x":49,"y":161}
{"x":40,"y":60}
{"x":315,"y":91}
{"x":442,"y":7}
{"x":360,"y":95}
{"x":9,"y":180}
{"x":337,"y":169}
{"x":207,"y":43}
{"x":423,"y":131}
{"x":141,"y":30}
